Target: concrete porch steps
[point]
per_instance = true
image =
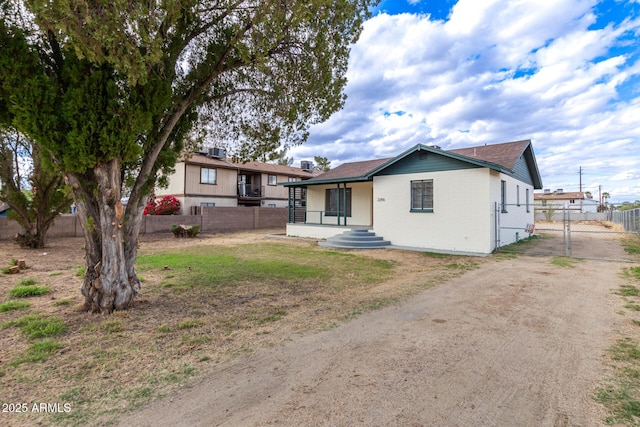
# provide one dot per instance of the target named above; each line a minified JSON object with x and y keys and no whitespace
{"x":356,"y":239}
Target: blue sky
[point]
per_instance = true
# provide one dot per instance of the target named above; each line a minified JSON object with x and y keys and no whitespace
{"x":563,"y":73}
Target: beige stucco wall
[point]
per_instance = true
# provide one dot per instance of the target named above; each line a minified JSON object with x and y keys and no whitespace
{"x":176,"y":182}
{"x":226,"y":182}
{"x":275,"y":191}
{"x":361,"y":201}
{"x":461,"y":218}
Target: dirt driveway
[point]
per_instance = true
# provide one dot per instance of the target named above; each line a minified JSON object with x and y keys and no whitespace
{"x":514,"y":343}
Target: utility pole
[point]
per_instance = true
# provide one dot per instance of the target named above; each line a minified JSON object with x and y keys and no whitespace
{"x":580,"y":179}
{"x":600,"y":194}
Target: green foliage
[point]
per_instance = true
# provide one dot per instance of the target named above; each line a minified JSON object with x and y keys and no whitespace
{"x":113,"y":92}
{"x":322,"y":164}
{"x":188,"y":324}
{"x":562,"y":261}
{"x":28,"y":291}
{"x":35,"y":194}
{"x":185,"y":230}
{"x":628,"y":291}
{"x":38,"y":352}
{"x":631,"y":243}
{"x":29,"y":281}
{"x":13,"y":305}
{"x":35,"y":326}
{"x":625,"y":349}
{"x":269,"y":263}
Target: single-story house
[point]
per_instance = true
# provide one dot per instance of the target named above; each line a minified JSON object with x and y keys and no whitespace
{"x":577,"y":201}
{"x":209,"y":178}
{"x":471,"y":200}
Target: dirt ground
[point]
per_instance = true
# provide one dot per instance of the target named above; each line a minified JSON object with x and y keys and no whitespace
{"x":519,"y":342}
{"x":514,"y":342}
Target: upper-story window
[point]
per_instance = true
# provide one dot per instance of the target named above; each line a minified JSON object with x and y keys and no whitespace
{"x":272,"y":180}
{"x":208,"y":176}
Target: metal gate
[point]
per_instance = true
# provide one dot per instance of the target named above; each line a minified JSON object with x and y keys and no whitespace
{"x":562,"y":231}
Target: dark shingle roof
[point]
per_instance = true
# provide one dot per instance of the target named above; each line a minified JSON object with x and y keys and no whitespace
{"x":502,"y":157}
{"x":352,"y":170}
{"x":505,"y":154}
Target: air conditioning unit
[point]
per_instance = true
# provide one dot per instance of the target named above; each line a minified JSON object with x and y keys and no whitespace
{"x":218,"y":153}
{"x":306,"y":165}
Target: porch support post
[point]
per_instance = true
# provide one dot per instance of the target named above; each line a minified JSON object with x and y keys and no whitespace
{"x":289,"y":206}
{"x":338,"y":203}
{"x":344,"y":195}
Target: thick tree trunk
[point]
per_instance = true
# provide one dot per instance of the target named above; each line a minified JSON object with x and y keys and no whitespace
{"x":110,"y":282}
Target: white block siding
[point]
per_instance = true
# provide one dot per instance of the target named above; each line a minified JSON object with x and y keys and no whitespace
{"x":361,"y":202}
{"x":518,"y":213}
{"x":463,"y":217}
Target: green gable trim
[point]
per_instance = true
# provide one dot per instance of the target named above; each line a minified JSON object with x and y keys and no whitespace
{"x":423,"y":158}
{"x":447,"y":160}
{"x":424,"y":161}
{"x":307,"y":182}
{"x":521,"y":171}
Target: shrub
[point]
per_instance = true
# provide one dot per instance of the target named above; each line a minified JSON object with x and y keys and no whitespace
{"x":167,"y":205}
{"x":185,"y":230}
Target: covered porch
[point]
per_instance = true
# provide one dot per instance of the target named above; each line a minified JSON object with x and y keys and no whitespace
{"x":337,"y":205}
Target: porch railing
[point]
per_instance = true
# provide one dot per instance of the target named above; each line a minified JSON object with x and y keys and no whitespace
{"x":325,"y":218}
{"x":248,"y":190}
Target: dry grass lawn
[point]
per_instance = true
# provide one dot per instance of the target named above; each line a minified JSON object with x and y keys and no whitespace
{"x":186,"y":321}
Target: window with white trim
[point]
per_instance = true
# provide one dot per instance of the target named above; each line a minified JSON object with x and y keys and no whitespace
{"x":272,"y":180}
{"x":422,"y":195}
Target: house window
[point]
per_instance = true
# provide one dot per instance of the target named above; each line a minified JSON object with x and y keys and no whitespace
{"x":271,"y":205}
{"x":518,"y":195}
{"x":208,"y":204}
{"x":334,"y":198}
{"x":422,"y":196}
{"x":208,"y":176}
{"x":272,"y":180}
{"x":503,"y":195}
{"x":292,"y":179}
{"x":527,"y":200}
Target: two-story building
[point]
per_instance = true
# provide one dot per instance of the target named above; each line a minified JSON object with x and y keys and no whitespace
{"x":209,"y":178}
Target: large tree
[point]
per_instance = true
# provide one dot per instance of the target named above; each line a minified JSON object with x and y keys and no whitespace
{"x":112,"y":89}
{"x":34,"y":193}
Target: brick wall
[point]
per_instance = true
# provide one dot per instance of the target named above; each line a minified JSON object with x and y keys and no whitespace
{"x":212,"y":219}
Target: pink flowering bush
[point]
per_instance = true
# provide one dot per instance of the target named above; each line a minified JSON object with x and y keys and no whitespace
{"x":167,"y":205}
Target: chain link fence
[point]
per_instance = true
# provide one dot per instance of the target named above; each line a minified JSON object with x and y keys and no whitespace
{"x":629,"y":219}
{"x":563,"y":231}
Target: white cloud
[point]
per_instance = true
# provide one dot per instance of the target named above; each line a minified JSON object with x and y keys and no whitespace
{"x":497,"y":70}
